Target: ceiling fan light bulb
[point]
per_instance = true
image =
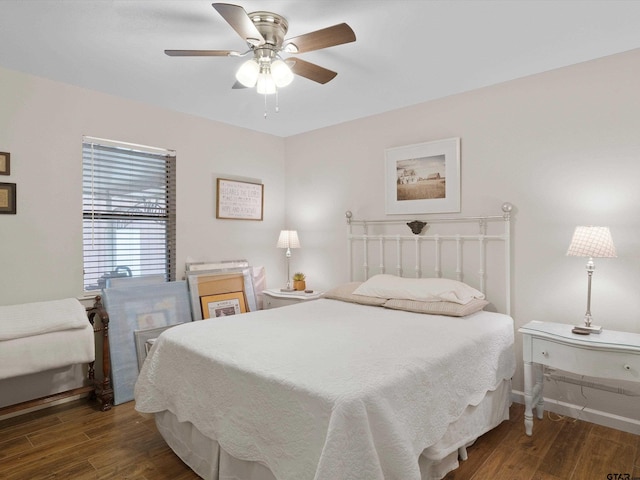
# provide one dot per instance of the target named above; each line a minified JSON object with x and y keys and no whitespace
{"x":282,"y":74}
{"x":265,"y":84}
{"x":248,"y":73}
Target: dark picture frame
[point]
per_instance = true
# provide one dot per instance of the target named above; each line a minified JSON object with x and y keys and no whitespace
{"x":8,"y":198}
{"x":5,"y":163}
{"x":237,"y":200}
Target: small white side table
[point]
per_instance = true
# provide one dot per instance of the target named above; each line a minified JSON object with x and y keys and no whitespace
{"x":610,"y":354}
{"x":274,"y":298}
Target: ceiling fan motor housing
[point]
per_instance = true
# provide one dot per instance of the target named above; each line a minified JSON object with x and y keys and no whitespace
{"x":272,"y":27}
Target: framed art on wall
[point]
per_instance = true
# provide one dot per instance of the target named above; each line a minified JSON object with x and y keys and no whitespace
{"x":239,"y":200}
{"x":5,"y":163}
{"x":423,"y":178}
{"x":8,"y":198}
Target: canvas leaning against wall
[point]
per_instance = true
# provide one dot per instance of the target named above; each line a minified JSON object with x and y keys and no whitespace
{"x":138,"y":309}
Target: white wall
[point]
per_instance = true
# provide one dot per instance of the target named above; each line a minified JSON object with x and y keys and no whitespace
{"x":562,"y":146}
{"x":42,"y":124}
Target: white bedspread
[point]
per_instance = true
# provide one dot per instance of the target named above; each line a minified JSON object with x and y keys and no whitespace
{"x":37,"y":318}
{"x":327,"y":390}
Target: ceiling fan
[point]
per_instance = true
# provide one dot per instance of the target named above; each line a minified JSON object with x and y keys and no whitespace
{"x":264,"y":33}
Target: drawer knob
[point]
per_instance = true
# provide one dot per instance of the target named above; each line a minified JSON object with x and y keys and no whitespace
{"x":544,"y":353}
{"x":627,"y":367}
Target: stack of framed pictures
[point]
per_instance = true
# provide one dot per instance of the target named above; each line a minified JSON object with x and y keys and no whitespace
{"x":220,"y":289}
{"x":139,"y":311}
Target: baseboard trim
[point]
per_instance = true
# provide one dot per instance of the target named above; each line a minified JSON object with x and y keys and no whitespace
{"x":591,"y":415}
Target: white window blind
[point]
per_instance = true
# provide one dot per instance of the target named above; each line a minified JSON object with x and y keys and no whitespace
{"x":128,"y":212}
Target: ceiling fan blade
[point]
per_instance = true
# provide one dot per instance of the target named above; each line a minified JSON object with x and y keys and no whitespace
{"x":201,"y":53}
{"x":237,"y":17}
{"x":312,"y":71}
{"x":237,"y":85}
{"x":327,"y":37}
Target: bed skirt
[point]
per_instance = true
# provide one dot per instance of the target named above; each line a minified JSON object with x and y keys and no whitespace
{"x":205,"y":457}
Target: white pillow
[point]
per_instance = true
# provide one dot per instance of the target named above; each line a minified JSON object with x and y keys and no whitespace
{"x":345,"y":294}
{"x":437,"y":308}
{"x":422,"y":289}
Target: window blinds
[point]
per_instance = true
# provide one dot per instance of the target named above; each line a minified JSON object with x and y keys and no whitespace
{"x":128,"y":212}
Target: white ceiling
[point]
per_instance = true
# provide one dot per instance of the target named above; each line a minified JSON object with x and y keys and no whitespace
{"x":406,"y":52}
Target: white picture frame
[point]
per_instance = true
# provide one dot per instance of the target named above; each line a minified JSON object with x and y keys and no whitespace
{"x":141,"y":338}
{"x":423,"y":178}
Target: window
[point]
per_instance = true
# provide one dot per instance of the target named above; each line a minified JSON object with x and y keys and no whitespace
{"x":128,"y":211}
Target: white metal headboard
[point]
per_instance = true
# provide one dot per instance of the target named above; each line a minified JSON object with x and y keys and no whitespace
{"x":393,"y":246}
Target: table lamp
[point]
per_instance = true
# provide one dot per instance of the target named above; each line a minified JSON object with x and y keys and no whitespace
{"x":288,"y":239}
{"x":591,"y":242}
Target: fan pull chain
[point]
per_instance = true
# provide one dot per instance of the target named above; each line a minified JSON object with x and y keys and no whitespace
{"x":277,"y":109}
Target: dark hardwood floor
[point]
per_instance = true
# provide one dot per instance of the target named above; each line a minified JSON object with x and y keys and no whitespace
{"x":77,"y":441}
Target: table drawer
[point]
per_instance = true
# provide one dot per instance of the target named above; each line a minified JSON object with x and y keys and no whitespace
{"x":593,"y":362}
{"x":274,"y":302}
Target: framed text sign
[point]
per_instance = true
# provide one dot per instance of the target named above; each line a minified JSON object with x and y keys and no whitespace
{"x":239,"y":200}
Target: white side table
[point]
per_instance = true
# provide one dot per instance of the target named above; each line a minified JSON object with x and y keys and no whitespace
{"x":274,"y":298}
{"x":610,"y":354}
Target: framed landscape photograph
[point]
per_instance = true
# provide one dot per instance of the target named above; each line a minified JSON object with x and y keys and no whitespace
{"x":423,"y":178}
{"x":5,"y":163}
{"x":239,"y":200}
{"x":8,"y":198}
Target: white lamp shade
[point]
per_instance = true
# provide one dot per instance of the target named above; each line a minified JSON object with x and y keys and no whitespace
{"x":265,"y":84}
{"x":288,"y":239}
{"x":281,"y":73}
{"x":248,"y":73}
{"x":594,"y":242}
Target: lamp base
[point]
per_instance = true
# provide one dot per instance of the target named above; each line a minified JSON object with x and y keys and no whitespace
{"x":590,"y":328}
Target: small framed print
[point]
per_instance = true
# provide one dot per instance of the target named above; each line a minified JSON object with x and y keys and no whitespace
{"x":5,"y":163}
{"x":8,"y":198}
{"x":223,"y":305}
{"x":239,"y":200}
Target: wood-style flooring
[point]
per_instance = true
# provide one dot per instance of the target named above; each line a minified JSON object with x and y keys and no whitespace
{"x":77,"y":441}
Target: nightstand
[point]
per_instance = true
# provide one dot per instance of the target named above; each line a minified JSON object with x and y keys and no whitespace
{"x":610,"y":354}
{"x":274,"y":298}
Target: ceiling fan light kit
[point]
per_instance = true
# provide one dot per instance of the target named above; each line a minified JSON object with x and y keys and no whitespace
{"x":264,"y":33}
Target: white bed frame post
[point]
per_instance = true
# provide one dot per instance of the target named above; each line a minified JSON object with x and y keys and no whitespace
{"x":506,"y":214}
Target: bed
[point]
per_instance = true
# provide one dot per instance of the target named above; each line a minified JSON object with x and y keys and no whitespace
{"x":360,"y":384}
